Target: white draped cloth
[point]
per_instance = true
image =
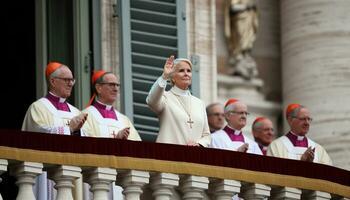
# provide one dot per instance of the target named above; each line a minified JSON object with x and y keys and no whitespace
{"x":98,"y":126}
{"x":284,"y":148}
{"x":221,"y":140}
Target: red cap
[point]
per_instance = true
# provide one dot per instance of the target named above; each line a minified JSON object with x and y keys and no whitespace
{"x":292,"y":107}
{"x":231,"y":101}
{"x":51,"y":67}
{"x":258,"y":119}
{"x":97,"y":75}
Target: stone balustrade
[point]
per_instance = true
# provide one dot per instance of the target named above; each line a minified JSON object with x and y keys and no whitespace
{"x":161,"y":171}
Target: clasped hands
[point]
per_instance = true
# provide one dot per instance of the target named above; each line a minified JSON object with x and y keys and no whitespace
{"x":122,"y":134}
{"x":308,"y":155}
{"x":77,"y":122}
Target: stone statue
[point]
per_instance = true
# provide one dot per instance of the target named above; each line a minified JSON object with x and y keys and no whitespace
{"x":241,"y":23}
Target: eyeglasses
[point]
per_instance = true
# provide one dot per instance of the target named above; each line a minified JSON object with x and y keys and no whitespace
{"x":66,"y":80}
{"x":110,"y":84}
{"x":268,"y":129}
{"x":240,"y":113}
{"x":309,"y":119}
{"x":217,"y":114}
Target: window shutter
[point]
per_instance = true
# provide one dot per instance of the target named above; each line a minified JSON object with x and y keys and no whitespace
{"x":151,"y":32}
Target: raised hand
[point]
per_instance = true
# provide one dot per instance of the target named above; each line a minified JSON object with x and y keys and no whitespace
{"x":168,"y":67}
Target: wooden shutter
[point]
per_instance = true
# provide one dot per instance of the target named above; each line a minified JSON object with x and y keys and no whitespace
{"x":151,"y":31}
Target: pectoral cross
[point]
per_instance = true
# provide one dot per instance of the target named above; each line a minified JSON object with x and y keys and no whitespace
{"x":190,"y":122}
{"x":114,"y":134}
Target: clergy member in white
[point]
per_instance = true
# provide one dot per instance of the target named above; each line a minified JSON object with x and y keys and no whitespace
{"x":53,"y":114}
{"x":231,"y":137}
{"x":182,"y":117}
{"x":105,"y":121}
{"x":295,"y":145}
{"x":263,"y":132}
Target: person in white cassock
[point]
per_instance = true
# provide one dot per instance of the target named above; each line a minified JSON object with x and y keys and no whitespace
{"x":105,"y":121}
{"x":231,"y":137}
{"x":53,"y":114}
{"x":182,"y":116}
{"x":295,"y":145}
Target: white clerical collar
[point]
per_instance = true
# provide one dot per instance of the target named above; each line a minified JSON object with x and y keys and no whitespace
{"x":299,"y":138}
{"x":265,"y":147}
{"x":60,"y":99}
{"x":179,"y":91}
{"x":236,"y":132}
{"x":108,"y":107}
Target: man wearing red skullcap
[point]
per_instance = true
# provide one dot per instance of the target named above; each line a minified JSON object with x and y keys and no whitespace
{"x":231,"y":137}
{"x":104,"y":120}
{"x":295,"y":145}
{"x":53,"y":114}
{"x":263,"y":133}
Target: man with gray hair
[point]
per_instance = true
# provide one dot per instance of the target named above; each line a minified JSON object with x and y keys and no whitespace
{"x":53,"y":114}
{"x":216,"y":116}
{"x":231,"y":137}
{"x":295,"y":145}
{"x":263,"y":133}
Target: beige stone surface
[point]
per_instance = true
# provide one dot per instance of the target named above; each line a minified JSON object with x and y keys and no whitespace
{"x":316,"y":70}
{"x":201,"y":27}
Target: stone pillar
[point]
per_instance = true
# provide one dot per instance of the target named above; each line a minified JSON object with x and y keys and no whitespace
{"x":100,"y":179}
{"x":255,"y":191}
{"x":163,"y":184}
{"x":192,"y":187}
{"x":222,"y":189}
{"x":26,"y":172}
{"x":64,"y":177}
{"x":286,"y":193}
{"x":315,"y":195}
{"x":3,"y":168}
{"x":315,"y":69}
{"x":132,"y":182}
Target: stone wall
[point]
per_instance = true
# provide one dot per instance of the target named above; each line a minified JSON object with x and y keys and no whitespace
{"x":316,"y":69}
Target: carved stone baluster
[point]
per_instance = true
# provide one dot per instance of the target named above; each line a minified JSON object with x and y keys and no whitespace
{"x":223,"y":189}
{"x":26,"y":172}
{"x":162,"y":185}
{"x":255,"y":191}
{"x":193,"y":187}
{"x":3,"y":168}
{"x":64,"y":177}
{"x":132,"y":182}
{"x":100,"y":179}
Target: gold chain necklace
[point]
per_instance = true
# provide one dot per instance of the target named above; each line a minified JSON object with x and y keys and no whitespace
{"x":190,"y":122}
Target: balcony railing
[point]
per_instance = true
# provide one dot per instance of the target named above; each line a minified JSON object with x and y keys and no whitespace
{"x":162,"y":170}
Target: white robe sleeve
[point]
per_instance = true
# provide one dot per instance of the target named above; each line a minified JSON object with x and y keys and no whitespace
{"x":37,"y":119}
{"x":155,"y":98}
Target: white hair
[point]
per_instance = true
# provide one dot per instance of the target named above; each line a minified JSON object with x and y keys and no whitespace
{"x":178,"y":60}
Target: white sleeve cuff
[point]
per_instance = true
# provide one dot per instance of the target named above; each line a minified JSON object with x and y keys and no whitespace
{"x":162,"y":82}
{"x":66,"y":130}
